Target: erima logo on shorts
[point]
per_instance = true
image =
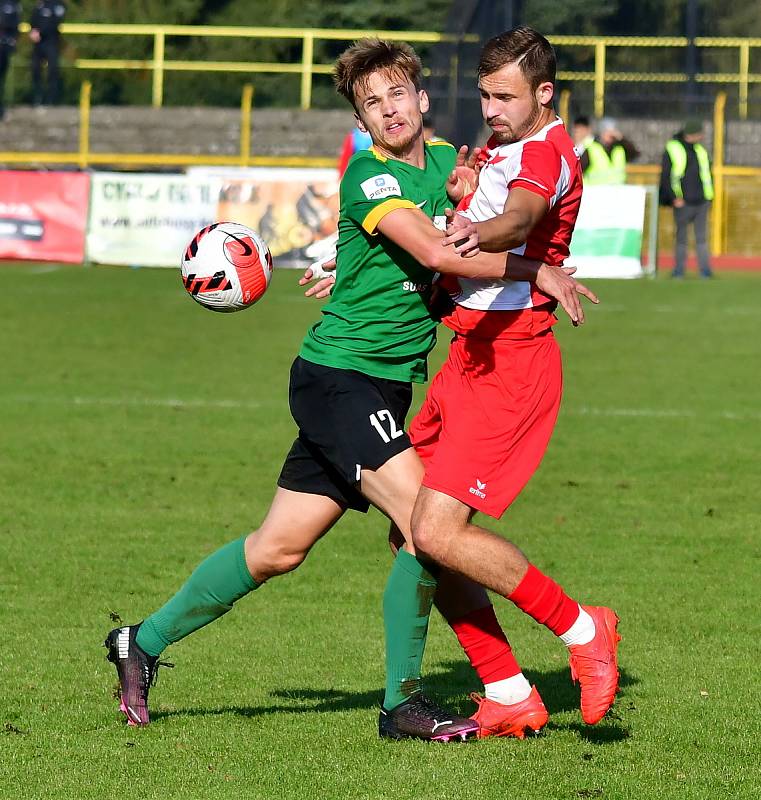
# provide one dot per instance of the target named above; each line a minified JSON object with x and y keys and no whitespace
{"x":380,"y":186}
{"x":480,"y":491}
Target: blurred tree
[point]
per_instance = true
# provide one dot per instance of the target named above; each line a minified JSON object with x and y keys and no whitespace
{"x":582,"y":17}
{"x":283,"y":90}
{"x":618,"y":17}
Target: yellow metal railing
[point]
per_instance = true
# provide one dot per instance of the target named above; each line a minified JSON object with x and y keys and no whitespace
{"x":84,"y":158}
{"x":159,"y":64}
{"x":246,"y":103}
{"x":601,"y":76}
{"x":84,"y":124}
{"x":306,"y":67}
{"x":718,"y":216}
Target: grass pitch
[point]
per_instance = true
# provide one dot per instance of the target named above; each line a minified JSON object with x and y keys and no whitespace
{"x":140,"y":432}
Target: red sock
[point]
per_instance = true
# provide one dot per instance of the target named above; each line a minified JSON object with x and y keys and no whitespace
{"x":486,"y":645}
{"x":544,"y":600}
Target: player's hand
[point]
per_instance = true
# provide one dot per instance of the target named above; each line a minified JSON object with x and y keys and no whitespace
{"x":463,"y":179}
{"x":461,"y":233}
{"x":34,"y":35}
{"x":325,"y":281}
{"x":558,"y":283}
{"x":440,"y":303}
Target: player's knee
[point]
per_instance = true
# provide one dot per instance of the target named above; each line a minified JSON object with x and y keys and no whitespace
{"x":266,"y":559}
{"x":275,"y":563}
{"x":287,"y":561}
{"x":426,"y":537}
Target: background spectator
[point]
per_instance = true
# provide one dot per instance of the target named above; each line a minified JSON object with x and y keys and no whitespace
{"x":687,"y":186}
{"x":10,"y":17}
{"x":605,"y":158}
{"x":354,"y":141}
{"x":47,"y":17}
{"x":582,"y":133}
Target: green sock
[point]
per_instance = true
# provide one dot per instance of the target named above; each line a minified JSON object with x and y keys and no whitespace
{"x":208,"y":593}
{"x":407,"y":605}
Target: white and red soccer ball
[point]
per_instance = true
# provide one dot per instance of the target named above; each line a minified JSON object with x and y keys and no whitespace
{"x":226,"y":267}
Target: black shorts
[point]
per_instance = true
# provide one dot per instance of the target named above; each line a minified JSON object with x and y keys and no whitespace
{"x":348,"y":421}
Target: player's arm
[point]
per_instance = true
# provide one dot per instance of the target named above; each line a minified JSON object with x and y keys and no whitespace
{"x":523,"y":210}
{"x":412,"y":230}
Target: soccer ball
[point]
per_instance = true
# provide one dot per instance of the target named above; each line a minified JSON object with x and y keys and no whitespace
{"x":226,"y":267}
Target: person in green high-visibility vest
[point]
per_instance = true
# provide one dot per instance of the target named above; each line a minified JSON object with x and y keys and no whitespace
{"x":687,"y":186}
{"x":604,"y":159}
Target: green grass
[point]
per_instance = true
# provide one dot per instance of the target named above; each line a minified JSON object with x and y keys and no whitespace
{"x":140,"y":432}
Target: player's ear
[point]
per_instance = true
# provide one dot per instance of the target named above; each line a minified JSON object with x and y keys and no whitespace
{"x":545,"y":92}
{"x":360,"y":124}
{"x":425,"y":103}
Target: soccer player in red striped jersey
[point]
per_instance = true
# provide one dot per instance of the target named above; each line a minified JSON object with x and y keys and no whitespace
{"x":490,"y":411}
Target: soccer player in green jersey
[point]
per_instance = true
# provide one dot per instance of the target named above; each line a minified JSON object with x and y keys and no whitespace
{"x":350,"y":390}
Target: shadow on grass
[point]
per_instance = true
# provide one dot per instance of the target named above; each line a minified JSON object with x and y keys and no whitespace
{"x":450,"y":685}
{"x":301,"y":701}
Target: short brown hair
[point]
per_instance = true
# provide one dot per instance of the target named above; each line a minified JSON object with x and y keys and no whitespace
{"x":522,"y":46}
{"x":366,"y":56}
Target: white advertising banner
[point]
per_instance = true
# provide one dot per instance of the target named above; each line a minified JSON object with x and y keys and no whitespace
{"x":607,"y":240}
{"x":147,"y":220}
{"x":294,"y":210}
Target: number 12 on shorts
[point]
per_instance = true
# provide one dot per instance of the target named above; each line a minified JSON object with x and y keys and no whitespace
{"x":387,"y":435}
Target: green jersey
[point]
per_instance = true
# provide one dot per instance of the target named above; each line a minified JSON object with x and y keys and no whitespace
{"x":377,"y":321}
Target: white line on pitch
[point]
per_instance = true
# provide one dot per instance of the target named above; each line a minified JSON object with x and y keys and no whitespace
{"x":617,"y":308}
{"x":155,"y":402}
{"x":176,"y":402}
{"x":44,"y":269}
{"x":663,"y":413}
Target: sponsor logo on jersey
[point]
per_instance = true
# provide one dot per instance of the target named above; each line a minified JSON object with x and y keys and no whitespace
{"x":411,"y":286}
{"x":381,"y":186}
{"x":479,"y":490}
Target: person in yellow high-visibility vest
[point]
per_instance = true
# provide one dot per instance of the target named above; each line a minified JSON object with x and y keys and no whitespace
{"x":687,"y":186}
{"x":605,"y":158}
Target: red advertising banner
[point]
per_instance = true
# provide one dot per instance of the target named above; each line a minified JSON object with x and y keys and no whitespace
{"x":43,"y":216}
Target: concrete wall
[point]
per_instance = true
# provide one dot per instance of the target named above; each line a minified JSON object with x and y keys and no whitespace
{"x":274,"y":132}
{"x":175,"y":130}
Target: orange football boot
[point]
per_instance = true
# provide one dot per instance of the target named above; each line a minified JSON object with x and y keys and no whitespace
{"x":595,"y":667}
{"x":496,"y":719}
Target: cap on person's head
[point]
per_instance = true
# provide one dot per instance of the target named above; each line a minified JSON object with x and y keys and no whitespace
{"x":606,"y":124}
{"x":582,"y":120}
{"x":693,"y":126}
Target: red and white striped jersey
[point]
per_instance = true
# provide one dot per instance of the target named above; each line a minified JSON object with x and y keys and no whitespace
{"x":548,"y":165}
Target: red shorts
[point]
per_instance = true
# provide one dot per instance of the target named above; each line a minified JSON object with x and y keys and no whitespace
{"x":487,"y":418}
